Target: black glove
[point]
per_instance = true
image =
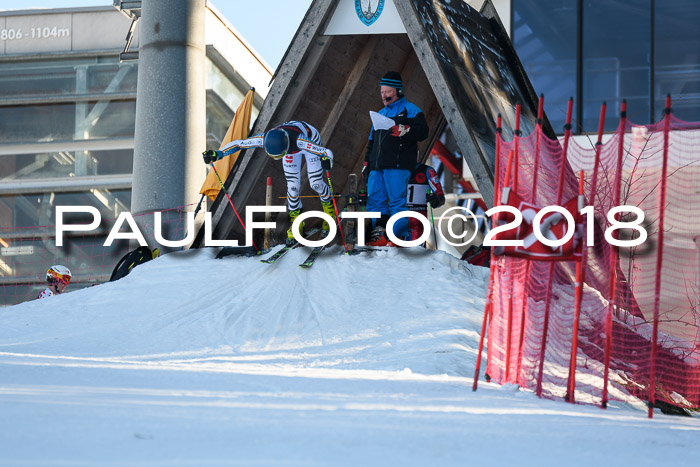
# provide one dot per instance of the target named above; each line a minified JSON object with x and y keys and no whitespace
{"x":326,"y":163}
{"x":210,"y":156}
{"x":434,"y":199}
{"x":365,"y":171}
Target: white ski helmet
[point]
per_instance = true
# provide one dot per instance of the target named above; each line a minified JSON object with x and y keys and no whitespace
{"x":57,"y":274}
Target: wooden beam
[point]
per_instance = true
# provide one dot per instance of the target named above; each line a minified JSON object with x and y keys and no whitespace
{"x":297,"y":88}
{"x":477,"y":161}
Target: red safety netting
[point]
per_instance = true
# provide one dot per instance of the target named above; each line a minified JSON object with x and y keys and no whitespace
{"x":28,"y":252}
{"x":630,"y":297}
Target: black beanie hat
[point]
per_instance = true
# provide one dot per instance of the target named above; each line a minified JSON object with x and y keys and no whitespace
{"x":392,"y":79}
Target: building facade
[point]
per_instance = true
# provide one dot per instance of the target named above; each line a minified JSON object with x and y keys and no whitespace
{"x":67,"y":112}
{"x":605,"y":51}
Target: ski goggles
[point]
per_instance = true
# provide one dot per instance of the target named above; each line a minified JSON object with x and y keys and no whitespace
{"x":62,"y":278}
{"x":277,"y":156}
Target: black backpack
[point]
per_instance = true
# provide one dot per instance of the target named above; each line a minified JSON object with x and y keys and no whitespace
{"x":132,"y":259}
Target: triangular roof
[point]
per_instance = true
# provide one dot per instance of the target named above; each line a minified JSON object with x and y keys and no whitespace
{"x":458,"y":65}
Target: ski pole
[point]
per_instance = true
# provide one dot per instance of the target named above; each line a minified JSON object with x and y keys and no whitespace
{"x":330,"y":185}
{"x":231,"y":203}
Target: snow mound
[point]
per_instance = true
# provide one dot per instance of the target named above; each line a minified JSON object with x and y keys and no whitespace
{"x":384,"y":310}
{"x":360,"y":360}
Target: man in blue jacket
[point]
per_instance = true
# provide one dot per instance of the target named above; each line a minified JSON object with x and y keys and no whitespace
{"x":391,"y":156}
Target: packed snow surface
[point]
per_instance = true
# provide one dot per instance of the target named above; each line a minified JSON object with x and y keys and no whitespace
{"x":360,"y":360}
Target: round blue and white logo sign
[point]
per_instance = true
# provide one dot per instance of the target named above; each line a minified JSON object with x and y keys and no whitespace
{"x":369,"y":10}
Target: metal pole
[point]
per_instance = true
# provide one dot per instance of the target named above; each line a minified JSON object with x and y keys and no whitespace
{"x":170,"y":108}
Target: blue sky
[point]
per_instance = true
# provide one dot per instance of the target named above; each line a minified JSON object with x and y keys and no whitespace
{"x":268,"y":26}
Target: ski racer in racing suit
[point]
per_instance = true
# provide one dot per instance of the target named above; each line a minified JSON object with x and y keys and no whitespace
{"x":292,"y":142}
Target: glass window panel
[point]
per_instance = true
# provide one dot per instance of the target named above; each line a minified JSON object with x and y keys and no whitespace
{"x":219,"y":117}
{"x":66,"y":164}
{"x":38,"y":123}
{"x":35,"y":210}
{"x":616,"y":66}
{"x":65,"y":77}
{"x":222,"y":86}
{"x":57,"y":122}
{"x":115,"y":77}
{"x":116,"y":120}
{"x":26,"y":79}
{"x":544,"y":36}
{"x":677,"y":57}
{"x":113,"y":162}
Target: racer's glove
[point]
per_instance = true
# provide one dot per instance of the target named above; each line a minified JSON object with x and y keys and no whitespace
{"x":399,"y":130}
{"x":210,"y":156}
{"x":326,"y":163}
{"x":434,"y":199}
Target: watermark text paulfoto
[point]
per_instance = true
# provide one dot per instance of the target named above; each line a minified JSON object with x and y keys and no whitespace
{"x":541,"y":221}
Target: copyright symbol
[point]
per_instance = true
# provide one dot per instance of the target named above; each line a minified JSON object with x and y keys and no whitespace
{"x":463,"y":218}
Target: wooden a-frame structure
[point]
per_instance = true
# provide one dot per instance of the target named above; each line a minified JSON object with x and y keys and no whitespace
{"x":458,"y":65}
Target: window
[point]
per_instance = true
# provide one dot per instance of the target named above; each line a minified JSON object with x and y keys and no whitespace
{"x":53,"y":164}
{"x":544,"y":34}
{"x":597,"y":50}
{"x":677,"y":57}
{"x":616,"y":61}
{"x":66,"y":77}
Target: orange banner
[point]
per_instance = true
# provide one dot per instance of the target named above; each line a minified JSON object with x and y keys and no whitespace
{"x":238,"y":130}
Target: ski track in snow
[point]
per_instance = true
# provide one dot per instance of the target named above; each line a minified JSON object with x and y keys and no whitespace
{"x":360,"y":360}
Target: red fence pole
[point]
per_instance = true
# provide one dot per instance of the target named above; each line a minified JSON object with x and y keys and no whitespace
{"x":548,"y":295}
{"x":516,"y":155}
{"x":489,"y":297}
{"x":509,"y":169}
{"x":659,"y":259}
{"x":598,"y":145}
{"x":614,"y":256}
{"x":596,"y":163}
{"x":565,"y":148}
{"x":538,"y":129}
{"x":578,"y":297}
{"x":512,"y":278}
{"x":487,"y":310}
{"x":523,"y":319}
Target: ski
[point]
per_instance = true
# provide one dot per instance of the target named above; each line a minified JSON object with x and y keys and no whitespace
{"x":309,"y":261}
{"x":312,"y":257}
{"x":283,"y":251}
{"x":364,"y":249}
{"x":287,"y":248}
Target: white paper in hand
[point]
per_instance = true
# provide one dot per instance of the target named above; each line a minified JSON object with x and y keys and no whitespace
{"x":380,"y":122}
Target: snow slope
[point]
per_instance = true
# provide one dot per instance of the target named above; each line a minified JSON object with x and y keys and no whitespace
{"x":361,"y":360}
